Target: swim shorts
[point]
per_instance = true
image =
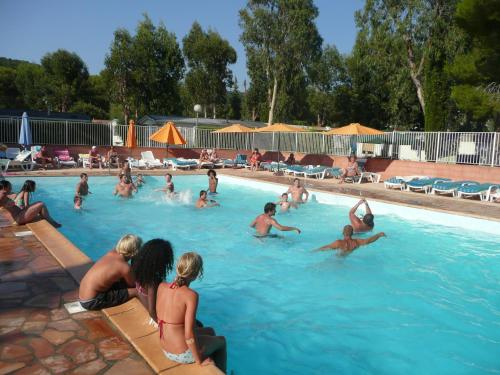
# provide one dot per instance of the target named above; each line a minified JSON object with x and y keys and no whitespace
{"x":113,"y":297}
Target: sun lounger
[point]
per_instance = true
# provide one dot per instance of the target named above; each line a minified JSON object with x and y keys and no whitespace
{"x":64,"y":159}
{"x":12,"y":152}
{"x":149,"y":159}
{"x":179,"y":163}
{"x":296,"y":170}
{"x":4,"y":166}
{"x":21,"y":160}
{"x":449,"y":187}
{"x":483,"y":191}
{"x":137,"y":163}
{"x":400,"y":182}
{"x":320,"y":172}
{"x":424,"y":185}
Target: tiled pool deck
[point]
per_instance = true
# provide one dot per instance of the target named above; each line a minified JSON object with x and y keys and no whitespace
{"x":38,"y":336}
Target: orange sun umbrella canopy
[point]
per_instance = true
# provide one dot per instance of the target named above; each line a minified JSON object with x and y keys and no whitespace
{"x":168,"y":134}
{"x":281,"y":128}
{"x":235,"y":128}
{"x":131,"y":139}
{"x":354,"y":129}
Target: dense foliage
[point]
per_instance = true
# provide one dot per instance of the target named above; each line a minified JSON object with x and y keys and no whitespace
{"x":415,"y":65}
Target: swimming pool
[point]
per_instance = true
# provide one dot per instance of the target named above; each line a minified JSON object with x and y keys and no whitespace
{"x":423,"y":300}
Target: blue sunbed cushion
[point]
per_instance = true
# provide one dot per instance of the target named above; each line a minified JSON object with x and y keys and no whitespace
{"x":425,"y":182}
{"x":475,"y":188}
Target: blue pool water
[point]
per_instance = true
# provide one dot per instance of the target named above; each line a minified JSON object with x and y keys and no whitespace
{"x":424,"y":300}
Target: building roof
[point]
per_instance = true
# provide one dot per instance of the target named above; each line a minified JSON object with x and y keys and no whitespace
{"x":191,"y":121}
{"x":45,"y":115}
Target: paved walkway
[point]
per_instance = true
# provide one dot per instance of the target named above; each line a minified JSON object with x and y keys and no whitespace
{"x":37,"y":335}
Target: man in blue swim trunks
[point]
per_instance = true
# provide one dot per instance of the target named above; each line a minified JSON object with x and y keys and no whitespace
{"x":264,"y":222}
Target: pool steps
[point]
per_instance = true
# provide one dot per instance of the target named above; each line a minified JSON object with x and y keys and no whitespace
{"x":131,"y":318}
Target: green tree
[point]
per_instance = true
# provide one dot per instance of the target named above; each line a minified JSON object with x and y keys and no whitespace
{"x":234,"y":100}
{"x":281,"y":41}
{"x":208,"y":56}
{"x":66,"y":78}
{"x":10,"y":97}
{"x":118,"y":73}
{"x":476,"y":90}
{"x":31,"y":84}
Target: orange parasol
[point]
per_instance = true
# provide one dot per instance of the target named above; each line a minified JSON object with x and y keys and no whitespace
{"x":235,"y":128}
{"x":354,"y":129}
{"x":131,"y":140}
{"x":168,"y":134}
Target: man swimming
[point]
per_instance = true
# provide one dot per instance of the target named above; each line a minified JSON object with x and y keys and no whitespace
{"x":213,"y":181}
{"x":298,"y":192}
{"x":285,"y":204}
{"x":125,"y":187}
{"x":349,"y":244}
{"x":204,"y":202}
{"x":265,"y":221}
{"x":82,"y":187}
{"x":169,"y":185}
{"x":361,"y":225}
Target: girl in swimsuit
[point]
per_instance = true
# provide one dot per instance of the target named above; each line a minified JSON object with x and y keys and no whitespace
{"x":176,"y":306}
{"x":151,"y":266}
{"x":34,"y":211}
{"x":22,"y":199}
{"x":351,"y":170}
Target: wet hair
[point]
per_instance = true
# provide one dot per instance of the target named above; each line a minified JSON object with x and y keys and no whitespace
{"x":352,"y":156}
{"x":28,"y":186}
{"x":256,"y":149}
{"x":270,"y":206}
{"x":168,"y":174}
{"x":121,"y":175}
{"x":189,"y":267}
{"x":82,"y":175}
{"x":295,"y":179}
{"x":368,"y":220}
{"x":5,"y":185}
{"x":211,"y":171}
{"x":202,"y":192}
{"x":348,"y":231}
{"x":153,"y":262}
{"x":128,"y":245}
{"x":284,"y":195}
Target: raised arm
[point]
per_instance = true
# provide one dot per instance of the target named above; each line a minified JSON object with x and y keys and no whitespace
{"x":370,"y":240}
{"x":283,"y":228}
{"x":368,"y":210}
{"x":356,"y":221}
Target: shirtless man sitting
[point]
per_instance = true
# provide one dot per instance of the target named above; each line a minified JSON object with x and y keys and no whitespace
{"x":361,"y":225}
{"x":265,"y":221}
{"x":349,"y":244}
{"x":33,"y":212}
{"x":297,"y":192}
{"x":204,"y":202}
{"x":110,"y":281}
{"x":285,"y":204}
{"x":125,"y":187}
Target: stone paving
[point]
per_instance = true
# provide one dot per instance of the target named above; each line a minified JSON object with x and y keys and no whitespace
{"x":37,"y":335}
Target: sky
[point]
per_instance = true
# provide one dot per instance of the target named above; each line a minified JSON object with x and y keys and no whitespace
{"x":31,"y":28}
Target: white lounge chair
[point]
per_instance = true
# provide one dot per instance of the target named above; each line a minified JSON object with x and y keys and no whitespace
{"x":450,"y":187}
{"x":483,"y":191}
{"x":135,"y":163}
{"x":22,"y":160}
{"x":180,"y":163}
{"x":4,"y":166}
{"x":400,"y":182}
{"x":150,"y":160}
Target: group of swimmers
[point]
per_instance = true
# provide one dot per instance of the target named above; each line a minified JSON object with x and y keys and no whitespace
{"x":171,"y":305}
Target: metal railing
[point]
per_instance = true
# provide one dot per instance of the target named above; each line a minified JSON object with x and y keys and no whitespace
{"x":444,"y":147}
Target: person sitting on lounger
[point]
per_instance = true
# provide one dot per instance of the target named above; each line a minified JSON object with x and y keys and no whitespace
{"x":285,"y":204}
{"x":204,"y":202}
{"x":110,"y":281}
{"x":43,"y":157}
{"x":255,"y":159}
{"x":291,"y":159}
{"x":151,"y":266}
{"x":351,"y":170}
{"x":213,"y":181}
{"x":264,"y":222}
{"x":361,"y":225}
{"x":94,"y":157}
{"x":28,"y":214}
{"x":112,"y":157}
{"x":125,"y":187}
{"x":214,"y":158}
{"x":22,"y":199}
{"x":176,"y":307}
{"x":298,"y":192}
{"x":204,"y":157}
{"x":349,"y":244}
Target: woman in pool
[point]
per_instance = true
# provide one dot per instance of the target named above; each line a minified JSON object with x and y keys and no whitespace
{"x":176,"y":306}
{"x":22,"y":199}
{"x":151,"y":266}
{"x":34,"y":211}
{"x":213,"y":181}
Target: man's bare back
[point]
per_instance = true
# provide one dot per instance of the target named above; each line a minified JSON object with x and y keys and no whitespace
{"x":108,"y":270}
{"x":349,"y":244}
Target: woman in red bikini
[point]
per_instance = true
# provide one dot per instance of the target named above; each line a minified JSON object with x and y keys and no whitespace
{"x":176,"y":306}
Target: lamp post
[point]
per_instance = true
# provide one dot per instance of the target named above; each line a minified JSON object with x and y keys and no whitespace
{"x":197,"y":109}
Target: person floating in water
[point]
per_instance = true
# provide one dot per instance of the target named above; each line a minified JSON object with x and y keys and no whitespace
{"x":111,"y":281}
{"x":361,"y":225}
{"x":349,"y":244}
{"x":285,"y":204}
{"x":264,"y":222}
{"x":213,"y":181}
{"x":125,"y":187}
{"x":297,"y":191}
{"x":28,"y":214}
{"x":204,"y":202}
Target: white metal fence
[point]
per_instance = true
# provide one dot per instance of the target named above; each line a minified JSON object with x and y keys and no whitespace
{"x":446,"y":147}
